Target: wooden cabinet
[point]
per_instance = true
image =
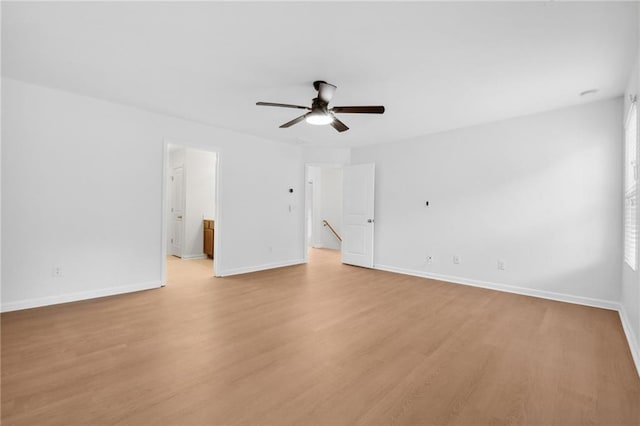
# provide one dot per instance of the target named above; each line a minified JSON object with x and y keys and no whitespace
{"x":209,"y":232}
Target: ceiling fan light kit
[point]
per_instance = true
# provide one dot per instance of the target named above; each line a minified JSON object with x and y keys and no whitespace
{"x":318,"y":119}
{"x":320,"y":114}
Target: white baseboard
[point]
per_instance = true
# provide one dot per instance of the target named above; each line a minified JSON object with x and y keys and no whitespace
{"x":194,"y":256}
{"x":561,"y":297}
{"x":263,"y":267}
{"x":74,"y":297}
{"x":631,"y":338}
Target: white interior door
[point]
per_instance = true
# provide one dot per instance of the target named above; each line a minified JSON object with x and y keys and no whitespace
{"x":176,"y":195}
{"x":357,"y":218}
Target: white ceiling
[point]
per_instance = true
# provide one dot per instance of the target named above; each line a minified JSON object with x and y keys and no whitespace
{"x":435,"y":66}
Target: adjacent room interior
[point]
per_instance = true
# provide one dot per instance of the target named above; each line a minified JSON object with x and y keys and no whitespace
{"x":320,"y":213}
{"x":190,"y":188}
{"x":323,"y":207}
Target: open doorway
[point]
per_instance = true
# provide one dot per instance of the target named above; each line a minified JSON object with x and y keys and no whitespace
{"x":190,"y":210}
{"x":323,"y":210}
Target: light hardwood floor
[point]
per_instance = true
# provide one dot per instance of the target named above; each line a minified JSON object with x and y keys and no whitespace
{"x":317,"y":344}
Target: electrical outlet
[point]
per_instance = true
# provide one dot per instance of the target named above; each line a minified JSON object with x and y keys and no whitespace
{"x":56,"y":272}
{"x":429,"y":260}
{"x":456,"y":259}
{"x":502,"y":265}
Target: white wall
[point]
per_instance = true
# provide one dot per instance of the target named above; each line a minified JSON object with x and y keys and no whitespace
{"x":540,"y":192}
{"x":82,"y":189}
{"x":200,"y":198}
{"x":324,"y":156}
{"x":630,"y":289}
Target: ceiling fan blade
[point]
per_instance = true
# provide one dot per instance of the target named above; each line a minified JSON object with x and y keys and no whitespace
{"x":339,"y":125}
{"x":379,"y":109}
{"x":326,"y":91}
{"x":282,"y":105}
{"x":294,"y":121}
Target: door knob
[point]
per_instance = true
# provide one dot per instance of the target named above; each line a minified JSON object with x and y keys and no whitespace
{"x":369,"y":220}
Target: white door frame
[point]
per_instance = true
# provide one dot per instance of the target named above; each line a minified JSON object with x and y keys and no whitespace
{"x":165,"y":202}
{"x":306,"y":200}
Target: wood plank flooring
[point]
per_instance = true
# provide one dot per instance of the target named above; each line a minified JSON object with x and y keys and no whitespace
{"x":317,"y":344}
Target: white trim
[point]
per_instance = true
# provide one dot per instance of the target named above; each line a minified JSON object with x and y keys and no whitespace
{"x":561,"y":297}
{"x":631,"y":338}
{"x":77,"y":296}
{"x":217,"y":241}
{"x":630,"y":184}
{"x":263,"y":267}
{"x":164,"y":205}
{"x":633,"y":103}
{"x":194,"y":256}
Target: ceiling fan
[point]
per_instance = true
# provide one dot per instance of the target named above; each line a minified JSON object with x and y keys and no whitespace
{"x":320,"y":113}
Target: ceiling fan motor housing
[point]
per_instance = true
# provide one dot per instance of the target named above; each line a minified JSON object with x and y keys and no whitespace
{"x":317,"y":83}
{"x":318,"y":105}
